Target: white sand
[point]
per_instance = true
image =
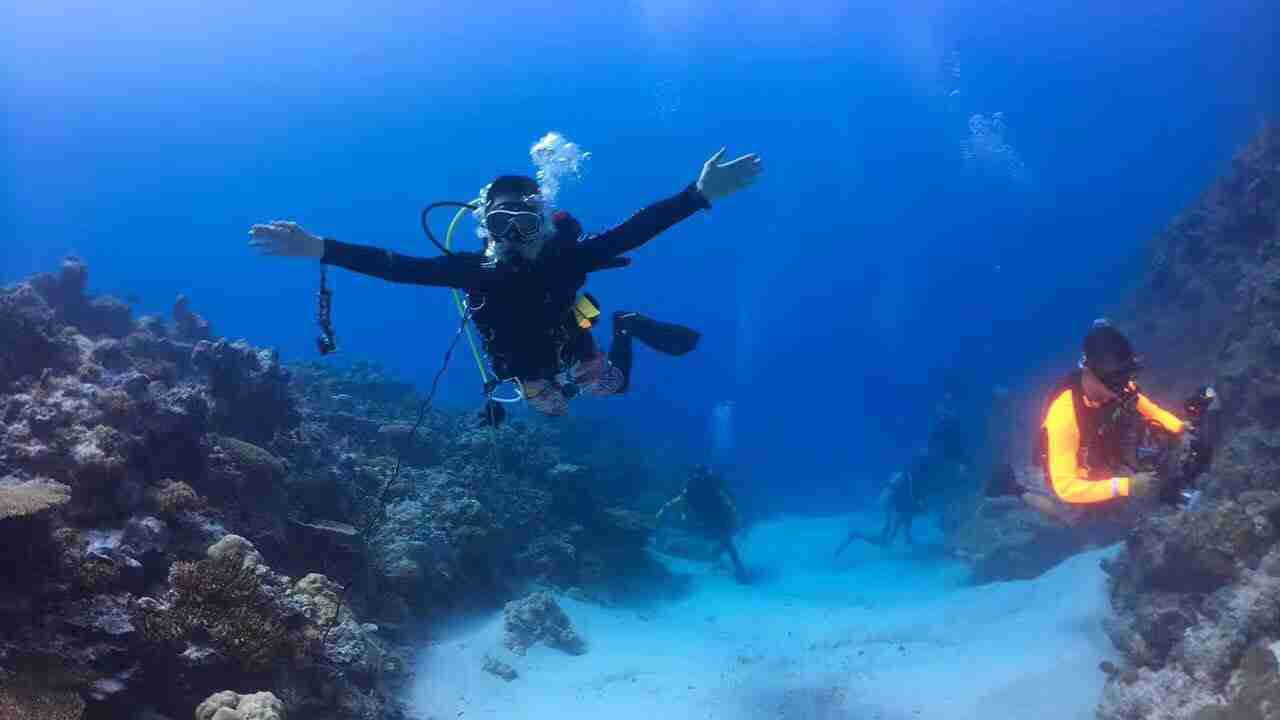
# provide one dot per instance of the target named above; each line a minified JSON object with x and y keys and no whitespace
{"x":876,"y":636}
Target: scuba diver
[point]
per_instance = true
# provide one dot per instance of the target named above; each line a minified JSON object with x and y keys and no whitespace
{"x":707,"y":500}
{"x":522,"y":290}
{"x":949,"y":440}
{"x":902,"y":503}
{"x":1099,"y":429}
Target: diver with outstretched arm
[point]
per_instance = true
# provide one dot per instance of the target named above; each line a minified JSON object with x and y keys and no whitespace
{"x":522,"y":289}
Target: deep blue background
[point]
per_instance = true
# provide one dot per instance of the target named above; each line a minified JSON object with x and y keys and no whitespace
{"x":867,"y":264}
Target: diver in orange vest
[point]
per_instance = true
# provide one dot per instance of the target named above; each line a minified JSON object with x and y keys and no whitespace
{"x":1086,"y":437}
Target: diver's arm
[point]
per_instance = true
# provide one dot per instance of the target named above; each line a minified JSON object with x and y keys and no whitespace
{"x":644,"y":225}
{"x":1159,"y":415}
{"x":455,"y":271}
{"x":1067,"y":479}
{"x":717,"y":180}
{"x":287,"y":239}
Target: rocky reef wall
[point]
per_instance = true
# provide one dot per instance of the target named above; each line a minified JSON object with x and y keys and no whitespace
{"x":182,"y":516}
{"x":1197,"y":592}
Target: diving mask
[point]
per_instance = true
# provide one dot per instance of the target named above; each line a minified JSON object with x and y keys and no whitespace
{"x":518,"y":224}
{"x":1122,"y":380}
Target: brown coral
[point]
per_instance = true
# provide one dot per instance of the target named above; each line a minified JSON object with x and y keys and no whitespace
{"x":23,"y":499}
{"x":117,"y":407}
{"x":244,"y":465}
{"x":176,"y":497}
{"x":322,"y":598}
{"x":19,"y":699}
{"x":224,"y":598}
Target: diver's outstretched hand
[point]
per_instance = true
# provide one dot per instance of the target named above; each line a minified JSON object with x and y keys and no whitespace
{"x":287,"y":239}
{"x":720,"y":180}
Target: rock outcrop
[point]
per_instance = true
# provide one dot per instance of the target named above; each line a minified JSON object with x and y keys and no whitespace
{"x":1208,"y":310}
{"x":1197,"y":592}
{"x":539,"y":618}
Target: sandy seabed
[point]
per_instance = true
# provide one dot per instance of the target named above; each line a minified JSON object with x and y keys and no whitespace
{"x":876,"y":635}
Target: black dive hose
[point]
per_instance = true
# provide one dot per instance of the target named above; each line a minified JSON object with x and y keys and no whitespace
{"x":426,"y":227}
{"x":326,"y":345}
{"x":377,"y":517}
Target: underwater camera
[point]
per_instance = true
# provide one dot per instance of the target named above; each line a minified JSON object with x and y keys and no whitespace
{"x":1196,"y":451}
{"x":327,"y":341}
{"x":1180,"y":460}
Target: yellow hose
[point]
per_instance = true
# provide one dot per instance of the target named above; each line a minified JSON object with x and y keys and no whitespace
{"x":462,"y":307}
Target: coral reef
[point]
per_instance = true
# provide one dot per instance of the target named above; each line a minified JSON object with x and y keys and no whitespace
{"x":229,"y":615}
{"x":1197,"y":592}
{"x":181,"y":514}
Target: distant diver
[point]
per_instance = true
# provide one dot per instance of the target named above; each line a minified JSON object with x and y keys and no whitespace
{"x":706,"y":502}
{"x":944,"y":463}
{"x":902,"y":502}
{"x":522,"y":289}
{"x":1100,"y":434}
{"x":722,"y":438}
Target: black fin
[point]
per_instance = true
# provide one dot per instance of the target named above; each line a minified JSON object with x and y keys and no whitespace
{"x":667,"y":338}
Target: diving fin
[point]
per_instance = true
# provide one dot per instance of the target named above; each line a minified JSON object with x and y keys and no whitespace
{"x":667,"y":338}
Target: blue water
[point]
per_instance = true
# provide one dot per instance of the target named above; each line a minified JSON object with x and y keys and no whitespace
{"x":870,"y":262}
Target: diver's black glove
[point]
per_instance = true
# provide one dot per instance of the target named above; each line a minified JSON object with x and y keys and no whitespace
{"x":492,"y":414}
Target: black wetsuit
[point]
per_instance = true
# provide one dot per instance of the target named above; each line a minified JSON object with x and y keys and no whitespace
{"x":524,"y":309}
